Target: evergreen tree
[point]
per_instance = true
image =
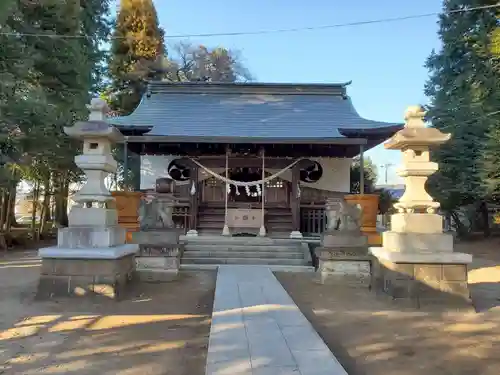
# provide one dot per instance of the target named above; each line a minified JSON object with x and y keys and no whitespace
{"x":491,"y":163}
{"x":491,"y":153}
{"x":463,"y":88}
{"x":63,"y":72}
{"x":138,"y":44}
{"x":95,"y":24}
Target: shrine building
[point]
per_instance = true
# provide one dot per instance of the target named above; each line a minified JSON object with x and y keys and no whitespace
{"x":249,"y":158}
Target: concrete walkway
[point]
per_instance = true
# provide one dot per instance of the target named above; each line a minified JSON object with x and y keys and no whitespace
{"x":258,"y":330}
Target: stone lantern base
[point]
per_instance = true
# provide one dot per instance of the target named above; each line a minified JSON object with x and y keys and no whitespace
{"x":87,"y":261}
{"x":421,"y":277}
{"x":417,"y":261}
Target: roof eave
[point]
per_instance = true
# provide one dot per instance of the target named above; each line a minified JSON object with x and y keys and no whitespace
{"x":252,"y":140}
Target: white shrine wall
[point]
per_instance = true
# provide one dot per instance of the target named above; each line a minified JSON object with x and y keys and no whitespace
{"x":336,"y":172}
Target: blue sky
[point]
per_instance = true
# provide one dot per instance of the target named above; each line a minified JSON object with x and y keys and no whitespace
{"x":384,"y":61}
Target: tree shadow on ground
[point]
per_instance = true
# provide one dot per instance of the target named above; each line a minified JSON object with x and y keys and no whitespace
{"x":375,"y":335}
{"x":163,"y":328}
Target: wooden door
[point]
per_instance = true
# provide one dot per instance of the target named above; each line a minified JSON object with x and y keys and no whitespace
{"x":213,"y":191}
{"x":277,"y":192}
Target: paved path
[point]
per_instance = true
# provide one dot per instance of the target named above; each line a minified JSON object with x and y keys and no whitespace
{"x":258,"y":330}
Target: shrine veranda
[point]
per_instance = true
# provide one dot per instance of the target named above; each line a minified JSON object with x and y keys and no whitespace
{"x":249,"y":158}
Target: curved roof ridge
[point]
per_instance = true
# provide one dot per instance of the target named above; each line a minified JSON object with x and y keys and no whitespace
{"x":338,"y":89}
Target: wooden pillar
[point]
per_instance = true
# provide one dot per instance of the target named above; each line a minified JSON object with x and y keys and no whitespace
{"x":225,"y":230}
{"x":295,"y":199}
{"x":361,"y":169}
{"x":194,"y":198}
{"x":135,"y":165}
{"x":125,"y":163}
{"x":262,"y":230}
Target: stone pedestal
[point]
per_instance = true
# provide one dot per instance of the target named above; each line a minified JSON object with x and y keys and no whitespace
{"x":160,"y":254}
{"x":158,"y":239}
{"x":343,"y":267}
{"x":343,"y":255}
{"x":417,"y":261}
{"x":91,"y":257}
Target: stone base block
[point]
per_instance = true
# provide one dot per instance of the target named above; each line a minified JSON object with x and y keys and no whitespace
{"x":341,"y":253}
{"x":114,"y":252}
{"x":85,"y":277}
{"x":192,"y":233}
{"x":416,"y":223}
{"x":347,"y":272}
{"x":157,"y":237}
{"x":417,"y":242}
{"x":92,"y":216}
{"x":423,"y":283}
{"x":343,"y":239}
{"x":344,"y":266}
{"x":157,"y":275}
{"x":157,"y":263}
{"x":296,"y":234}
{"x":90,"y":237}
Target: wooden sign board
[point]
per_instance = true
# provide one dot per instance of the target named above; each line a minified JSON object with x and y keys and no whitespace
{"x":244,"y":218}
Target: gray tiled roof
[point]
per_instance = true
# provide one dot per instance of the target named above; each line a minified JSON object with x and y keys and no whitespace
{"x":247,"y":111}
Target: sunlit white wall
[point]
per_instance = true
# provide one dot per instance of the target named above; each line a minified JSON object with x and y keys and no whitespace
{"x":336,"y":172}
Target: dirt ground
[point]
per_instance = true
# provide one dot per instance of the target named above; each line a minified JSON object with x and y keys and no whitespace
{"x":371,"y":335}
{"x":163,"y":329}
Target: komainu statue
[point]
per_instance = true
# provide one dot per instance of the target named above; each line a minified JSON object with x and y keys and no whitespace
{"x":155,"y":213}
{"x":350,"y":217}
{"x":332,"y":214}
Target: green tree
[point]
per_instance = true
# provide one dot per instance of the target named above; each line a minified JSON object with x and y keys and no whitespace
{"x":48,"y":82}
{"x":463,"y":90}
{"x":369,"y":174}
{"x":137,"y":47}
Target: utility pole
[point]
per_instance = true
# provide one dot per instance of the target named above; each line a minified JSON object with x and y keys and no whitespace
{"x":386,"y":166}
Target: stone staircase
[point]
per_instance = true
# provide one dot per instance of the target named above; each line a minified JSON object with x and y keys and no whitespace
{"x":211,"y":251}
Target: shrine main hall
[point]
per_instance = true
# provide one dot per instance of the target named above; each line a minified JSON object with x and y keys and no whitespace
{"x":249,"y":158}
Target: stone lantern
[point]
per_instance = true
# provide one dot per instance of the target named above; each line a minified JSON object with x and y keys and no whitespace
{"x":91,"y":256}
{"x":417,"y":260}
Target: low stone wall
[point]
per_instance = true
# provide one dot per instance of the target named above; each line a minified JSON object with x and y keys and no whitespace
{"x":421,"y":282}
{"x":83,"y":277}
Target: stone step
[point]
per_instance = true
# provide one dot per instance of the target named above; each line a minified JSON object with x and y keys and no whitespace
{"x":241,"y":248}
{"x":275,"y":234}
{"x":272,"y":267}
{"x":253,"y":261}
{"x":247,"y":241}
{"x":220,"y":219}
{"x":283,"y":227}
{"x":243,"y":254}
